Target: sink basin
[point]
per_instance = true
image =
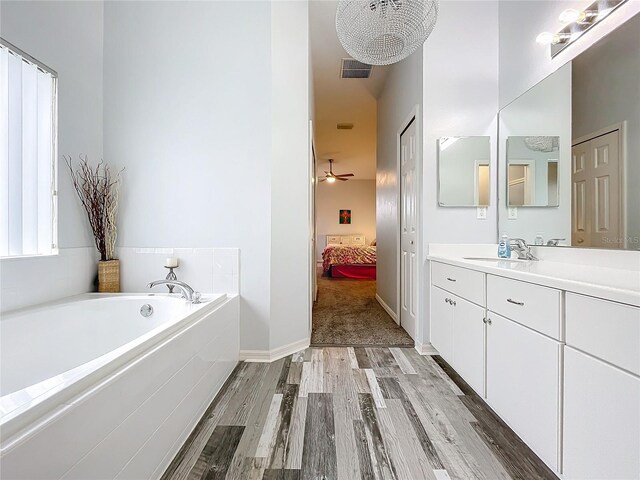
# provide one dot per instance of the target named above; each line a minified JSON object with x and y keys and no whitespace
{"x":496,"y":259}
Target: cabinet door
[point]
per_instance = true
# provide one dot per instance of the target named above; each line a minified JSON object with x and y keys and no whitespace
{"x":523,"y":384}
{"x":468,"y":343}
{"x":601,"y":420}
{"x":442,"y":323}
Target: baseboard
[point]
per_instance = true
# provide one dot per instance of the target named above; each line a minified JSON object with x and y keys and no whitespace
{"x":275,"y":354}
{"x":387,"y":309}
{"x":426,"y":349}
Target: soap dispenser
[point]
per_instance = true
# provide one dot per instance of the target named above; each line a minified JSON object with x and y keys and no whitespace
{"x":504,"y":248}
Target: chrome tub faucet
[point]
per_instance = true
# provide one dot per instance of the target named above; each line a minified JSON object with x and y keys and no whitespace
{"x":187,"y":292}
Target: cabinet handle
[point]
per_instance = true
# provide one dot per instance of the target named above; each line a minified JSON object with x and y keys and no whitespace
{"x":489,"y":321}
{"x":446,"y":300}
{"x":453,"y":302}
{"x":451,"y":279}
{"x":515,"y":302}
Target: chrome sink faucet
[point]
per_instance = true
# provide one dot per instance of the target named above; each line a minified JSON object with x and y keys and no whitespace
{"x":522,"y":249}
{"x":187,"y":292}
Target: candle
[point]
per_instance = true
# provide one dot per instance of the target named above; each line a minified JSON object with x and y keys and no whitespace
{"x":171,"y":262}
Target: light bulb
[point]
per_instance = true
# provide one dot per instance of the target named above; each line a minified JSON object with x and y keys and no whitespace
{"x":331,"y":179}
{"x":546,"y":38}
{"x":571,"y":15}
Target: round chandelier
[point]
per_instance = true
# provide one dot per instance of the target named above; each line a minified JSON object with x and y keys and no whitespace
{"x":382,"y":32}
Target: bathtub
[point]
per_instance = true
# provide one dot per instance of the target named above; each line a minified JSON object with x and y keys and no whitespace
{"x":109,"y":386}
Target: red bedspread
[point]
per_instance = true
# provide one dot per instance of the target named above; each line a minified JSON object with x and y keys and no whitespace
{"x":348,"y":255}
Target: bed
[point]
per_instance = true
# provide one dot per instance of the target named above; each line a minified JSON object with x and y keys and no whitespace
{"x":347,"y":256}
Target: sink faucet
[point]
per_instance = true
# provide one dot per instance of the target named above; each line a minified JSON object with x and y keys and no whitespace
{"x":522,"y":249}
{"x":554,"y":242}
{"x":187,"y":292}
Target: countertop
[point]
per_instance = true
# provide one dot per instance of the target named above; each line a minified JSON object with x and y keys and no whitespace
{"x":615,"y":284}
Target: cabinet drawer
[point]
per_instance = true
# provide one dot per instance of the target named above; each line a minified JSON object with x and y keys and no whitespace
{"x":526,"y":303}
{"x":465,"y":283}
{"x":607,"y":330}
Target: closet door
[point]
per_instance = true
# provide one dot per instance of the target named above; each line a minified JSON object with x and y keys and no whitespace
{"x":442,"y":322}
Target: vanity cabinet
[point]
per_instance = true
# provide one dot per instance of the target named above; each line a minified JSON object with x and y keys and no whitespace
{"x":457,"y":324}
{"x":523,"y":383}
{"x":601,"y":390}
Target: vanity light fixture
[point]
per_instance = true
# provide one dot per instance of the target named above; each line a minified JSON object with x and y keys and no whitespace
{"x":577,"y":23}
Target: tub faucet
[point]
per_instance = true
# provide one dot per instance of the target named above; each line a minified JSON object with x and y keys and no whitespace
{"x":522,"y":249}
{"x":187,"y":292}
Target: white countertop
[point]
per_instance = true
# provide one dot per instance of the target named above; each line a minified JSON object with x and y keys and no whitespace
{"x":615,"y":284}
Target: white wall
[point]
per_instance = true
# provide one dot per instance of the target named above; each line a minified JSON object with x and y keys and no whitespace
{"x":201,"y":129}
{"x":359,"y":196}
{"x":290,"y":173}
{"x":402,"y":92}
{"x":460,"y":98}
{"x":68,"y":37}
{"x":523,"y":62}
{"x":606,"y":90}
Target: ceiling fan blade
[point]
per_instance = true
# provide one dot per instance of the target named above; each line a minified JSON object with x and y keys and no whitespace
{"x":322,"y":180}
{"x":341,"y":179}
{"x":345,"y":175}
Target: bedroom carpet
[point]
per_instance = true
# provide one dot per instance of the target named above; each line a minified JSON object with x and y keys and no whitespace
{"x":347,"y":313}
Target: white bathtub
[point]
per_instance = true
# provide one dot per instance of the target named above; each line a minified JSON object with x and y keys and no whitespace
{"x":91,"y":388}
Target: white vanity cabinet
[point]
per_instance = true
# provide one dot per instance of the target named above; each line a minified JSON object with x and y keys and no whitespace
{"x":601,"y":436}
{"x":457,"y":324}
{"x":523,"y":383}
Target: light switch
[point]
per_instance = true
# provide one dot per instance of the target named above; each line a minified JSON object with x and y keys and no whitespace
{"x":513,"y":213}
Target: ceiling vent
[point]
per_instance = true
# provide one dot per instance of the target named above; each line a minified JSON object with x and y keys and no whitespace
{"x":354,"y":69}
{"x":344,"y":126}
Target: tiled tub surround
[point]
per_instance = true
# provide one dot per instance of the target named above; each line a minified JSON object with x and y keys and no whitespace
{"x":104,"y":392}
{"x":551,"y":345}
{"x":211,"y":270}
{"x":27,"y":281}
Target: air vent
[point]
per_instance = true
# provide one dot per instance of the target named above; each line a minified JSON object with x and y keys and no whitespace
{"x":354,"y":69}
{"x":344,"y":126}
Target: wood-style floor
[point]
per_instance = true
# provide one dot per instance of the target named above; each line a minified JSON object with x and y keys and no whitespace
{"x":351,"y":413}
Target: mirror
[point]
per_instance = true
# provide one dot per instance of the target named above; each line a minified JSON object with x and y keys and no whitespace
{"x":532,"y":171}
{"x":463,"y":171}
{"x":572,"y":143}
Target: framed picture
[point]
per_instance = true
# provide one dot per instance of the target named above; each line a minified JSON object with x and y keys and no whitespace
{"x":345,"y":217}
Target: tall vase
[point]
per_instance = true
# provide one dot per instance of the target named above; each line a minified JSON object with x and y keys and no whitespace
{"x":109,"y":276}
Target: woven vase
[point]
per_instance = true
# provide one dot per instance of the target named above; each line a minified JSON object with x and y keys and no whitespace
{"x":109,"y":276}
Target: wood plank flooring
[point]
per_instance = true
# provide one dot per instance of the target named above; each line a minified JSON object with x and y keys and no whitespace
{"x":350,"y":413}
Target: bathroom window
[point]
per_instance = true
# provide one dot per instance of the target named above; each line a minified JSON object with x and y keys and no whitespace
{"x":28,"y":121}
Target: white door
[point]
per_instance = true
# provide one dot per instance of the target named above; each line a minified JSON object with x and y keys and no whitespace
{"x":595,"y":186}
{"x":408,"y":228}
{"x":468,"y":342}
{"x":523,"y":384}
{"x":442,"y":323}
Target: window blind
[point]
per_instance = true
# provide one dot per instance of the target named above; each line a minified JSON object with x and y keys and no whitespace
{"x":27,"y":156}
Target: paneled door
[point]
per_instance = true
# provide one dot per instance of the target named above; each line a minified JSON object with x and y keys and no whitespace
{"x":595,"y":192}
{"x":408,"y":228}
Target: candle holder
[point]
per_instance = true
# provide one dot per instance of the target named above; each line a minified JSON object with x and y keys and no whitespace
{"x":171,"y":276}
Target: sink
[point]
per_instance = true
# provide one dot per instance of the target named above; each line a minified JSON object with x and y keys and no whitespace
{"x":496,"y":259}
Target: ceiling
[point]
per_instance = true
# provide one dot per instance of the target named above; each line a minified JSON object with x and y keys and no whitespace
{"x":341,"y":100}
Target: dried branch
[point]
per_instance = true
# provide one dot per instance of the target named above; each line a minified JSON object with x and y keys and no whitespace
{"x":98,"y":192}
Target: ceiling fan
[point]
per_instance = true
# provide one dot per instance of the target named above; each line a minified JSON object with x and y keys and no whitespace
{"x":332,"y":177}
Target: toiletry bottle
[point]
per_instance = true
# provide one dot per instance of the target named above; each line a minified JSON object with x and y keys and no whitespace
{"x":504,"y":250}
{"x":539,"y":239}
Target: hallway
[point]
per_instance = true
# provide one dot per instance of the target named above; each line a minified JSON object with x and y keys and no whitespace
{"x":347,"y":313}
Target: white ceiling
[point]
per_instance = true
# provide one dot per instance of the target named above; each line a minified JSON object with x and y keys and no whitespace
{"x":341,"y":100}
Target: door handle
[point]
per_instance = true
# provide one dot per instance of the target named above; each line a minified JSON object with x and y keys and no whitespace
{"x":515,"y":302}
{"x":580,"y":240}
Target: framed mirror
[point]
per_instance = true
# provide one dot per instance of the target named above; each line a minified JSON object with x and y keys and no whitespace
{"x":464,"y":171}
{"x":582,"y":125}
{"x":532,"y":171}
